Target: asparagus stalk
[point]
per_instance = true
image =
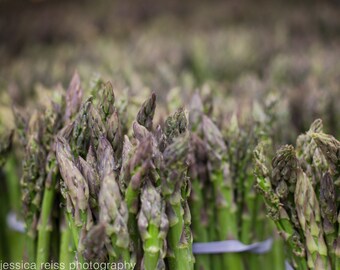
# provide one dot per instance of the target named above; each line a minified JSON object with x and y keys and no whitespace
{"x":146,"y":112}
{"x":139,"y":166}
{"x":329,"y":146}
{"x":198,"y":175}
{"x":77,"y":193}
{"x":45,"y":226}
{"x":66,"y":255}
{"x":223,"y":190}
{"x":74,"y":95}
{"x":174,"y":181}
{"x":153,"y":226}
{"x":32,"y":179}
{"x":113,"y":209}
{"x":308,"y":211}
{"x":329,"y":213}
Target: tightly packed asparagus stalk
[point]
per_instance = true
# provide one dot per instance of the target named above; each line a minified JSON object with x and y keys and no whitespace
{"x":301,"y":192}
{"x":124,"y":195}
{"x":223,"y":199}
{"x":106,"y":186}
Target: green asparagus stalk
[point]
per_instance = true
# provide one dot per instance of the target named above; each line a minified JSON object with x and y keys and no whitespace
{"x":113,"y":209}
{"x":32,"y":179}
{"x":77,"y":193}
{"x":66,"y":255}
{"x":198,"y":175}
{"x":329,"y":213}
{"x":139,"y":166}
{"x":51,"y":125}
{"x":223,"y":190}
{"x":283,"y":179}
{"x":174,"y":181}
{"x":329,"y":147}
{"x":45,"y":226}
{"x":308,"y":211}
{"x":153,"y":226}
{"x":310,"y":157}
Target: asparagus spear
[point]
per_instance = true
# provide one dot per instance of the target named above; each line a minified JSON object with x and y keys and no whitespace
{"x":52,"y":124}
{"x":310,"y":157}
{"x":330,"y":147}
{"x":223,"y":189}
{"x":283,"y":179}
{"x":106,"y":101}
{"x":93,"y":181}
{"x":153,"y":226}
{"x":198,"y":177}
{"x":308,"y":211}
{"x":74,"y":96}
{"x":78,"y":132}
{"x":174,"y":181}
{"x":175,"y":125}
{"x":45,"y":227}
{"x":329,"y":213}
{"x":127,"y":153}
{"x":66,"y":255}
{"x":114,"y":134}
{"x":76,"y":195}
{"x":139,"y":166}
{"x":113,"y":209}
{"x":32,"y":180}
{"x":147,"y":111}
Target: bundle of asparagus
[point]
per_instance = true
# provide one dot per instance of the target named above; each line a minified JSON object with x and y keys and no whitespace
{"x":223,"y":201}
{"x":124,"y":198}
{"x":301,"y":192}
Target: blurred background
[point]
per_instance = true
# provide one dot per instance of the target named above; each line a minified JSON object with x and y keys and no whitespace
{"x":237,"y":48}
